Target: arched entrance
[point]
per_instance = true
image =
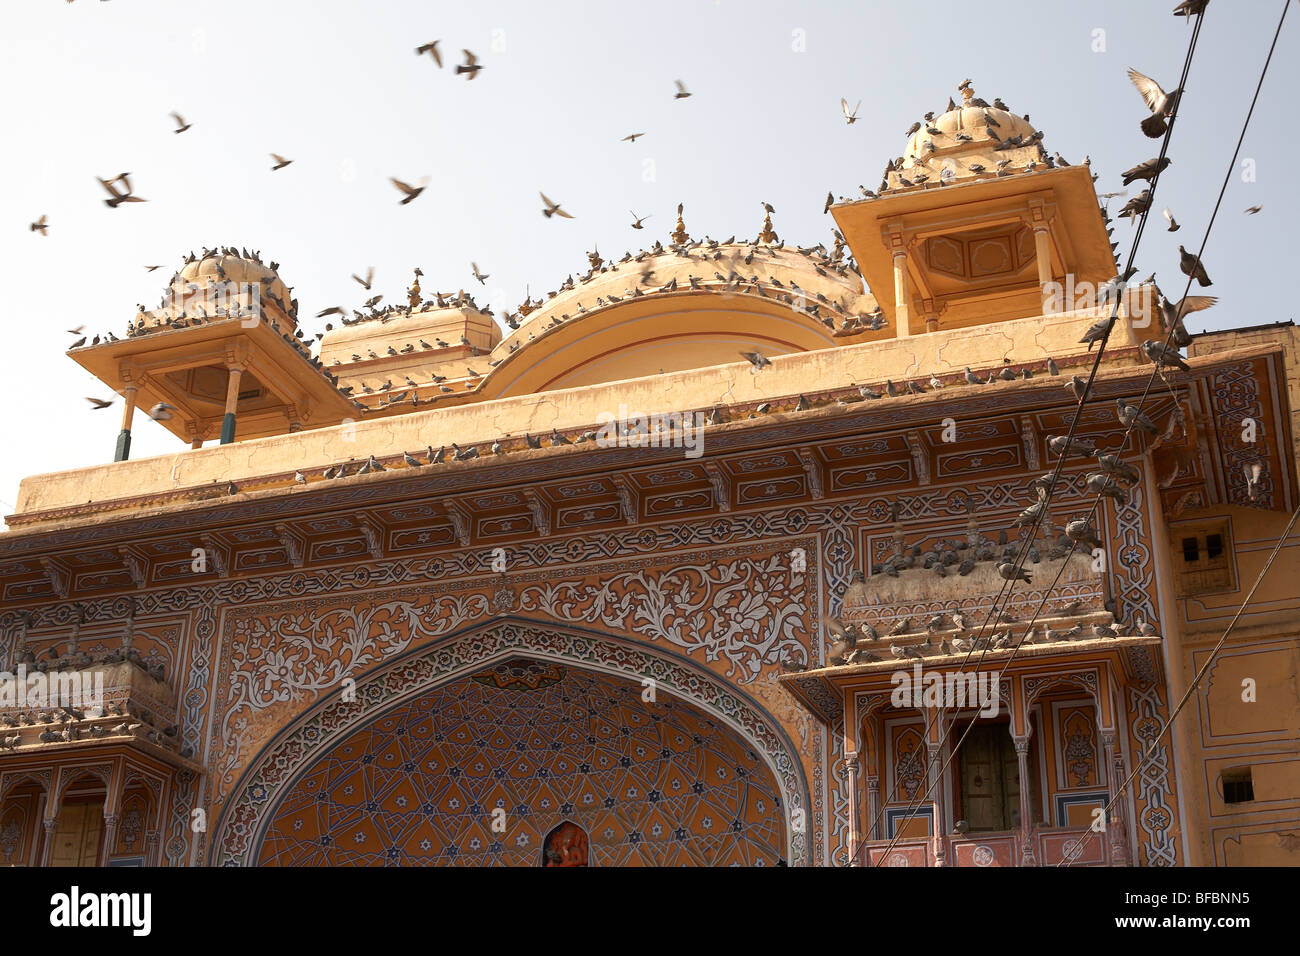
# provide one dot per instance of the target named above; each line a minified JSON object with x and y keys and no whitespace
{"x":541,"y":725}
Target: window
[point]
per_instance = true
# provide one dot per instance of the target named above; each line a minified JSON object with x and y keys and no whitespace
{"x":990,"y":779}
{"x":1203,"y":557}
{"x":1237,"y":785}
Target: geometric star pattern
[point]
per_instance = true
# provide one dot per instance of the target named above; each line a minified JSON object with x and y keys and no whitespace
{"x":652,"y":783}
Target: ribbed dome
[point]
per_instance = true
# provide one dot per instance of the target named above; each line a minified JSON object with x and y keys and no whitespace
{"x":972,"y":121}
{"x":237,"y":269}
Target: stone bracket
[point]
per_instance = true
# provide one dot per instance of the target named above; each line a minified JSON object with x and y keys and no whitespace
{"x":58,"y":576}
{"x":627,"y":499}
{"x":136,"y":565}
{"x":721,"y":486}
{"x":808,"y":458}
{"x":920,"y":457}
{"x":1029,"y":437}
{"x":374,"y":535}
{"x":218,"y":553}
{"x":459,"y":523}
{"x":292,"y":542}
{"x":540,"y":513}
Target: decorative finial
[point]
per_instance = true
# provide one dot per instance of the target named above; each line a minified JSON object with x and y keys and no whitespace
{"x":413,"y":293}
{"x":967,"y":94}
{"x":527,"y":305}
{"x":680,"y":235}
{"x":768,"y":234}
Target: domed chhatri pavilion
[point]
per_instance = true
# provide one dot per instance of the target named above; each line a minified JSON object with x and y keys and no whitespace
{"x":569,"y":589}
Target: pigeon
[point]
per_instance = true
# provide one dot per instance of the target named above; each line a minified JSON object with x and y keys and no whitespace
{"x":1053,"y":368}
{"x":432,"y":50}
{"x":1162,"y":355}
{"x":1009,"y":572}
{"x":1137,"y":205}
{"x":1173,"y":223}
{"x":1146,"y":629}
{"x":181,"y":125}
{"x":470,"y":66}
{"x":1078,"y":388}
{"x":1031,"y":514}
{"x":119,"y":196}
{"x":1191,"y":8}
{"x":479,"y":275}
{"x":410,"y":191}
{"x":681,"y":93}
{"x":631,"y":138}
{"x":1063,"y":444}
{"x":850,"y":116}
{"x":900,"y":627}
{"x":1106,"y":485}
{"x":1096,"y":333}
{"x":1113,"y":465}
{"x":1132,"y":417}
{"x":98,"y":403}
{"x":553,"y":208}
{"x":1147,"y":169}
{"x":1192,"y":266}
{"x":1161,"y":104}
{"x":280,"y":162}
{"x":756,"y":359}
{"x":161,"y":412}
{"x":1250,"y":210}
{"x":638,"y":220}
{"x":1081,"y":530}
{"x":300,"y":478}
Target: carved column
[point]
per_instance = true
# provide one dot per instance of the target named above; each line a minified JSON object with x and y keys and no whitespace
{"x":851,"y":765}
{"x":47,"y":851}
{"x":873,"y":804}
{"x":1027,"y":855}
{"x":110,"y":837}
{"x":1115,"y":825}
{"x":232,"y":399}
{"x":935,"y":783}
{"x":123,"y":450}
{"x":901,"y":316}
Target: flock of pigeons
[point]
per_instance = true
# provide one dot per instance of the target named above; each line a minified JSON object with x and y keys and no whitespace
{"x":949,"y":633}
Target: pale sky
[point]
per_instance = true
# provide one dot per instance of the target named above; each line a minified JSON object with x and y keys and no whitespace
{"x":336,"y":87}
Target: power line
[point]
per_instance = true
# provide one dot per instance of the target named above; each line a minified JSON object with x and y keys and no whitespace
{"x":1146,"y":757}
{"x":1045,"y":498}
{"x":1168,"y":724}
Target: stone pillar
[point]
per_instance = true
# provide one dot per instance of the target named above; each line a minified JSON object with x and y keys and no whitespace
{"x":1028,"y":857}
{"x":1115,"y":827}
{"x":1043,"y":255}
{"x":937,"y":826}
{"x":47,"y":851}
{"x":901,"y":317}
{"x":851,"y":765}
{"x":152,"y":840}
{"x":931,"y":315}
{"x":123,"y":450}
{"x":232,"y":399}
{"x":110,"y":836}
{"x":873,"y":805}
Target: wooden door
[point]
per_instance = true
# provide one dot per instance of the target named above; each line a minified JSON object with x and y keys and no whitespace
{"x":76,"y":838}
{"x":981,"y":779}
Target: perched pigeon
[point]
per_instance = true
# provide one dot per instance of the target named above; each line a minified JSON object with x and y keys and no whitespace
{"x":1163,"y":355}
{"x":1132,"y":417}
{"x":1008,"y":571}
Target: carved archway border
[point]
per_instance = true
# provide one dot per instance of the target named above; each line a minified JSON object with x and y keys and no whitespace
{"x":247,"y":815}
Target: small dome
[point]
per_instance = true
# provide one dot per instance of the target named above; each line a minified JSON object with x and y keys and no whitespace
{"x":221,"y":266}
{"x":969,"y":135}
{"x":972,"y":121}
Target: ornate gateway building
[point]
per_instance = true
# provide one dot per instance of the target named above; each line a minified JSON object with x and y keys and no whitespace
{"x":600,"y":590}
